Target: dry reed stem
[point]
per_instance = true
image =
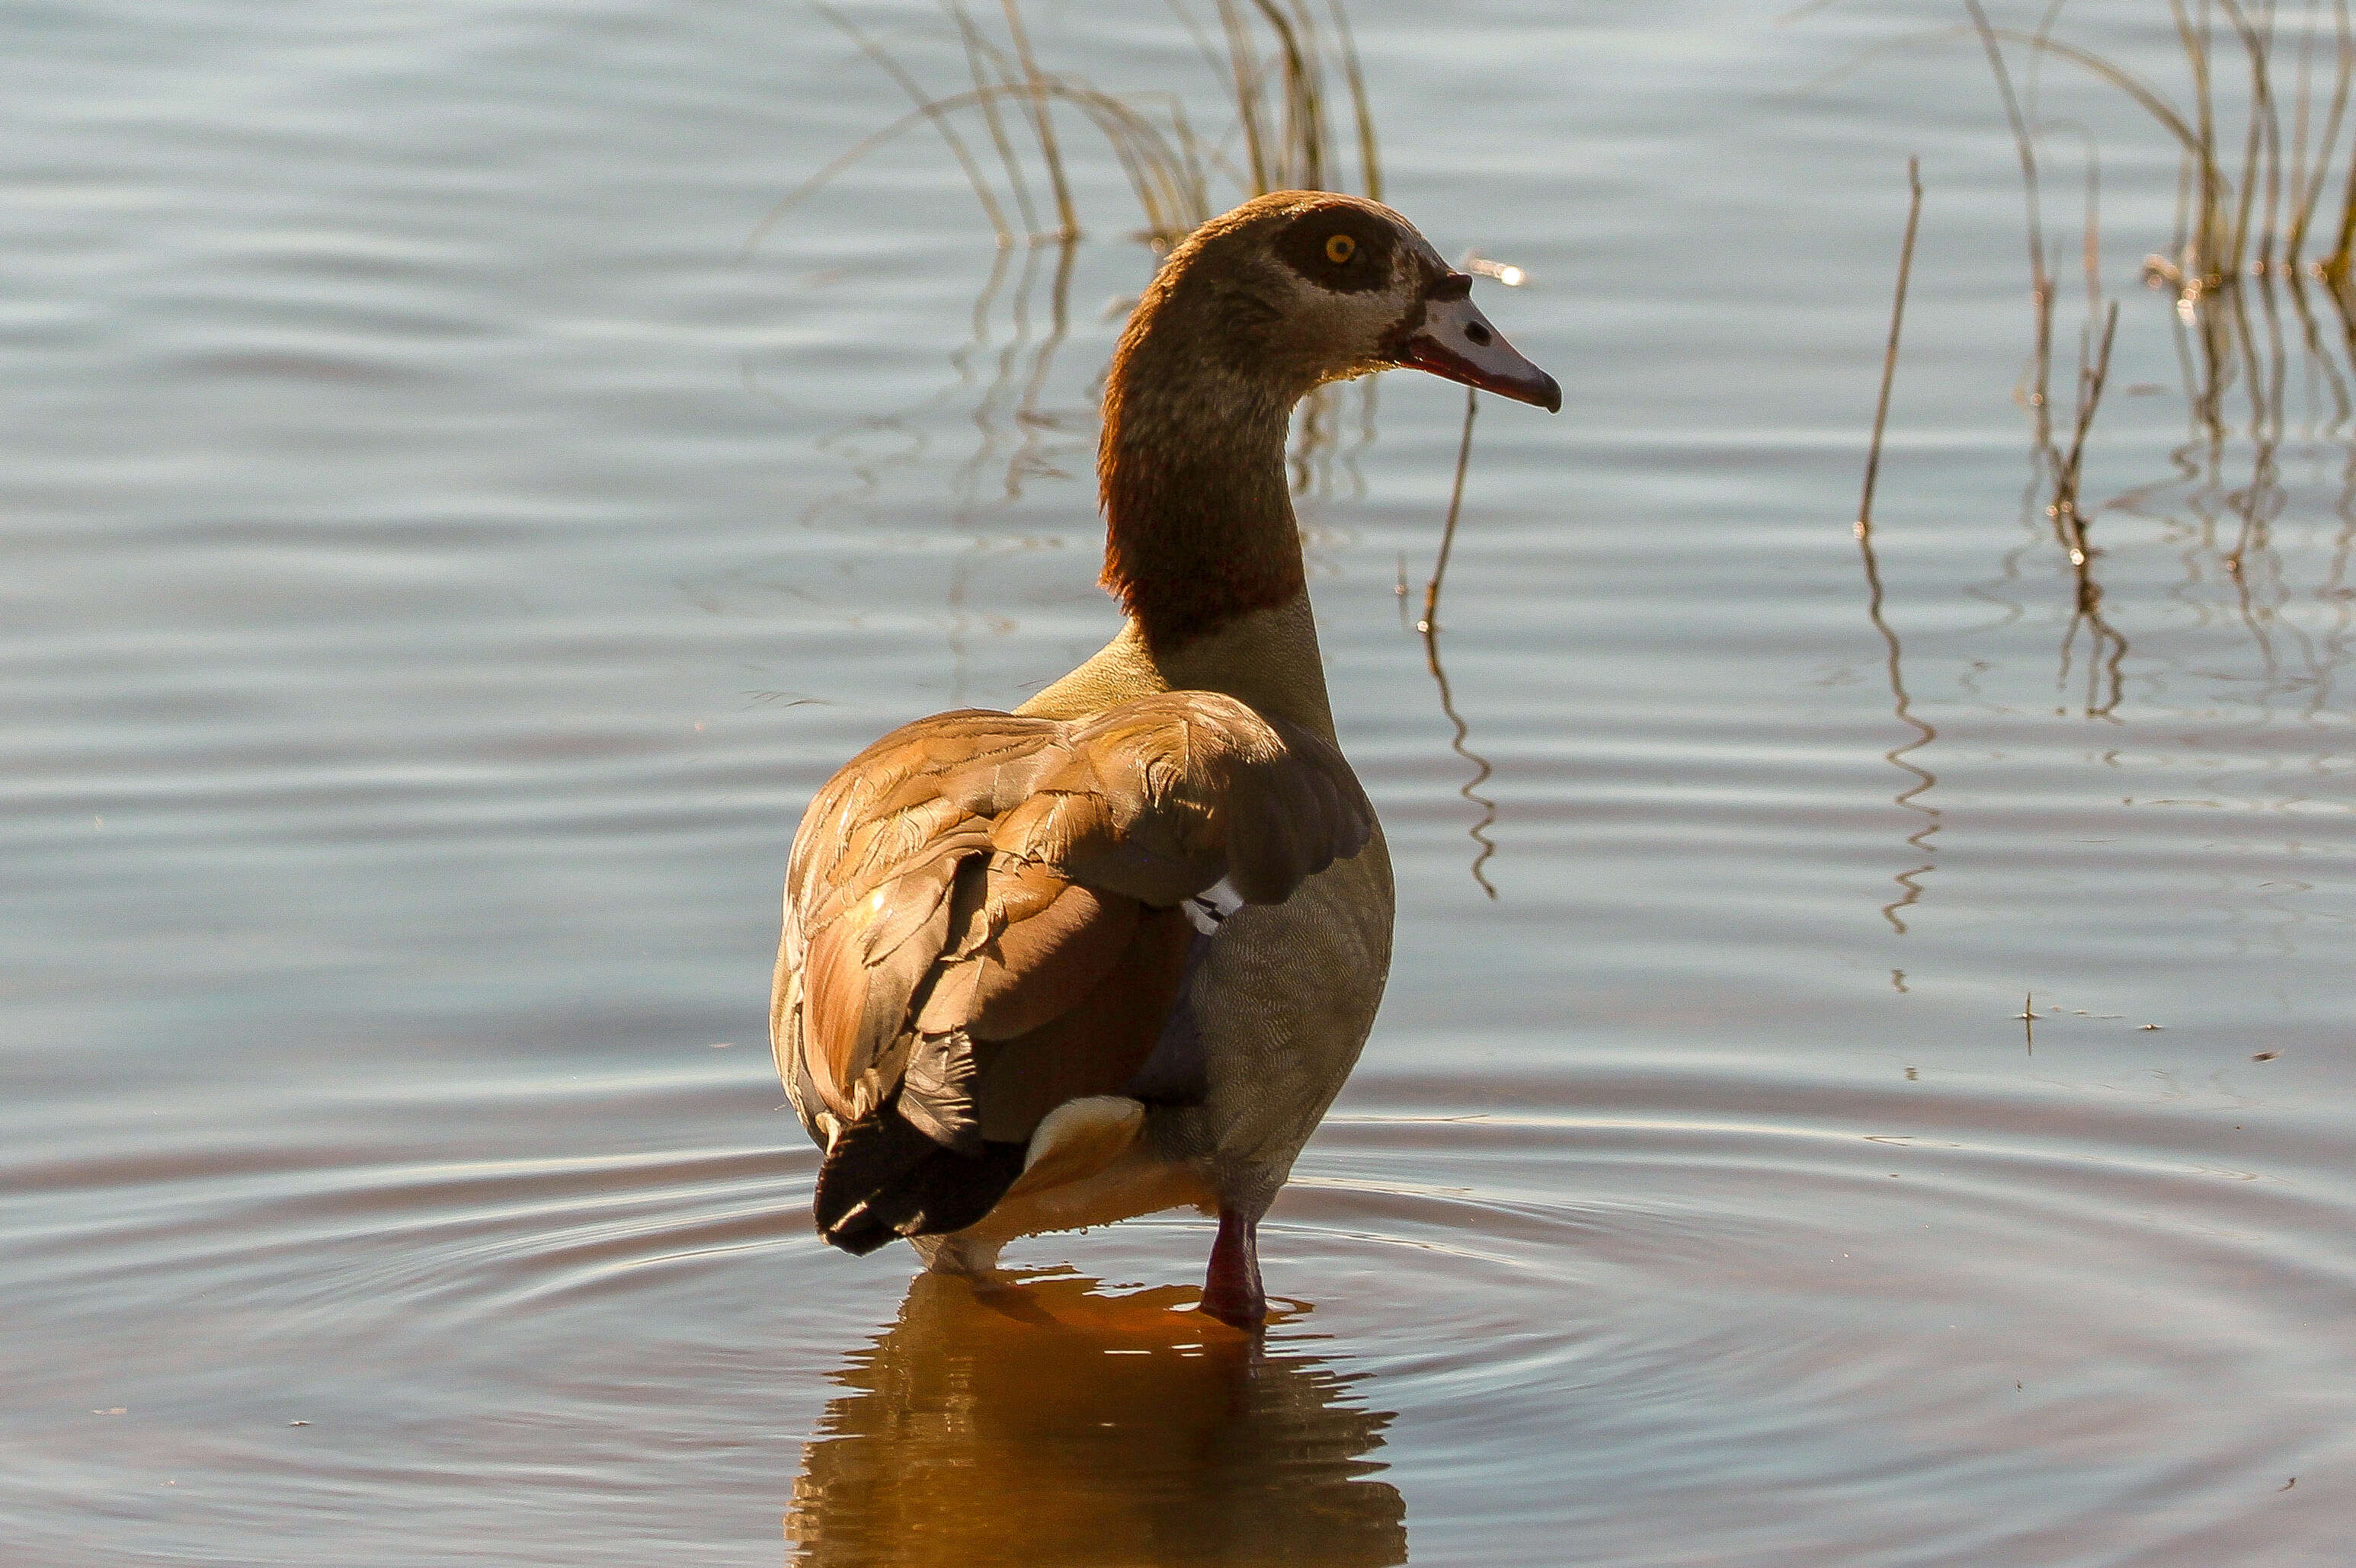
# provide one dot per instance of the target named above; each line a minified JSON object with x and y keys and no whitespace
{"x":1277,"y":88}
{"x":1430,"y":628}
{"x":1893,"y":663}
{"x":2090,"y":397}
{"x":1278,"y":60}
{"x":1889,"y":355}
{"x":2261,"y":122}
{"x":2041,"y":280}
{"x":1370,"y":166}
{"x":1430,"y":621}
{"x":1042,"y":119}
{"x":986,"y":68}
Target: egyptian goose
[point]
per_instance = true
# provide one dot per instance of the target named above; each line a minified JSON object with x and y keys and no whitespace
{"x":1115,"y":951}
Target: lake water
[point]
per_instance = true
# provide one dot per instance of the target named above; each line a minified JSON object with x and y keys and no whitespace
{"x":443,"y":562}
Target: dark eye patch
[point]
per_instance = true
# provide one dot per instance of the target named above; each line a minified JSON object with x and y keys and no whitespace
{"x":1307,"y":247}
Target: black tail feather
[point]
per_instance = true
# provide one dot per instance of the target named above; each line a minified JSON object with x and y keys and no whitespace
{"x":883,"y":1180}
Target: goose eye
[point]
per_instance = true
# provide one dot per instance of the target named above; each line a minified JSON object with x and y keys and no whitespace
{"x":1339,"y":248}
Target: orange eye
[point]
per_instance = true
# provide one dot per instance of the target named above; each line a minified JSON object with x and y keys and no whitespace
{"x":1339,"y":248}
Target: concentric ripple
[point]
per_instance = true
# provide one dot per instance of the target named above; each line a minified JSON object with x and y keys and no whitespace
{"x":1895,"y":1109}
{"x":1898,"y":1321}
{"x":1693,"y":1314}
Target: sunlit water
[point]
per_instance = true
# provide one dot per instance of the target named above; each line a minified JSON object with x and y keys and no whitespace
{"x":440,"y":568}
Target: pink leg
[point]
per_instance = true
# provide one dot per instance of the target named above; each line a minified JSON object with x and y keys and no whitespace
{"x":1231,"y":1290}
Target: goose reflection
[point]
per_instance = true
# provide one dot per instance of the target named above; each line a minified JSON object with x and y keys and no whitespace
{"x":1043,"y":1422}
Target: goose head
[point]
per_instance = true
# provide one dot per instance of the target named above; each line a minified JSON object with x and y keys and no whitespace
{"x":1250,"y":312}
{"x":1299,"y":288}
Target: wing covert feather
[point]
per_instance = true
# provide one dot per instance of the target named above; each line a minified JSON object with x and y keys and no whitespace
{"x":1163,"y":796}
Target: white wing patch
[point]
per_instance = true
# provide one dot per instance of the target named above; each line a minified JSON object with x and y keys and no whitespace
{"x":1209,"y":909}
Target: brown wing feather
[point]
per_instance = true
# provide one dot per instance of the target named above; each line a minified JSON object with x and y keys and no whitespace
{"x":867,"y":894}
{"x":980,"y":925}
{"x":1163,"y":796}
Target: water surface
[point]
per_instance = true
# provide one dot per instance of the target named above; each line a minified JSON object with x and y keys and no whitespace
{"x":443,"y":562}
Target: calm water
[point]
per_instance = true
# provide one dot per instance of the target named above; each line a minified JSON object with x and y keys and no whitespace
{"x":440,"y":569}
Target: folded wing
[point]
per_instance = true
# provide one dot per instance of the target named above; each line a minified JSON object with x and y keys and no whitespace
{"x":983,"y":922}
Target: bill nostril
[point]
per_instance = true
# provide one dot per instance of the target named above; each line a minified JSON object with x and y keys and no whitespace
{"x":1479,"y":334}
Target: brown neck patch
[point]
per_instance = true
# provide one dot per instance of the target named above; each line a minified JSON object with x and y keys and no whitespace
{"x":1198,"y":520}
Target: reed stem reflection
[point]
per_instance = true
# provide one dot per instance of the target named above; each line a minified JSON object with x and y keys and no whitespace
{"x":1912,"y":880}
{"x":1041,"y":1421}
{"x":1484,"y":847}
{"x":1899,"y":756}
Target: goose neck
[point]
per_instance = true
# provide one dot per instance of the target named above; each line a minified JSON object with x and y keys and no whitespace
{"x":1198,"y":519}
